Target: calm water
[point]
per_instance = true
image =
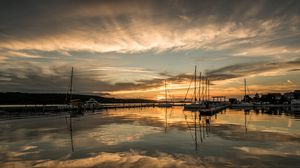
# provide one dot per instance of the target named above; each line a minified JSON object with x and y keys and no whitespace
{"x":151,"y":137}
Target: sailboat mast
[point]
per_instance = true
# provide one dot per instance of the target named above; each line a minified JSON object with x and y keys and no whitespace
{"x":195,"y":90}
{"x":199,"y":89}
{"x":208,"y":90}
{"x":203,"y":91}
{"x":166,"y":120}
{"x":166,"y":96}
{"x":71,"y":85}
{"x":245,"y":85}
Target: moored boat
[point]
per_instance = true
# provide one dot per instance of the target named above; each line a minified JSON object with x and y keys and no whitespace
{"x":244,"y":103}
{"x":166,"y":103}
{"x":196,"y":100}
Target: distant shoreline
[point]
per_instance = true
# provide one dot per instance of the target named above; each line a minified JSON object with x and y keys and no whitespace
{"x":18,"y":98}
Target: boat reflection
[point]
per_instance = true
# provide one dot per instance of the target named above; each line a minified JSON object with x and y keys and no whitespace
{"x":167,"y":115}
{"x":69,"y":124}
{"x":200,"y":127}
{"x":246,"y":113}
{"x":289,"y":111}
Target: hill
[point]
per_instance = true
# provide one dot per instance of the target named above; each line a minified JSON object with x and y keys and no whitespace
{"x":7,"y":98}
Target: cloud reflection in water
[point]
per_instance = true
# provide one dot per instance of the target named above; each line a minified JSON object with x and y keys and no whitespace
{"x":114,"y":134}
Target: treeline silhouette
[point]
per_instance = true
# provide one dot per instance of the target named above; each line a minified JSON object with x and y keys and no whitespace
{"x":7,"y":98}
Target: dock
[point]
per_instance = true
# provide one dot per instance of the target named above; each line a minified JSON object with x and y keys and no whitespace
{"x":212,"y":110}
{"x":56,"y":108}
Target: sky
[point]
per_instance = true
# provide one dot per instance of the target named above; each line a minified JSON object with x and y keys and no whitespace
{"x":128,"y":48}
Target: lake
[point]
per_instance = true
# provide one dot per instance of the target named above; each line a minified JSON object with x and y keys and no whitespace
{"x":151,"y":137}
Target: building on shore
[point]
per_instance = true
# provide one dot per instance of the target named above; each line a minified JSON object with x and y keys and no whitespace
{"x":271,"y":98}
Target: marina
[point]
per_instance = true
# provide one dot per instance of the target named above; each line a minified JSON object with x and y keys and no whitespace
{"x":150,"y":84}
{"x":201,"y":97}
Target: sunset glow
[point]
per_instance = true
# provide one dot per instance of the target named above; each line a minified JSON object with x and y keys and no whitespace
{"x":128,"y":49}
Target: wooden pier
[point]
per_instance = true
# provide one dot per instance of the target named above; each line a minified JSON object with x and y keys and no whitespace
{"x":65,"y":108}
{"x":127,"y":105}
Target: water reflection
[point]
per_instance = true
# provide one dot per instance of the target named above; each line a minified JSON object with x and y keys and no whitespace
{"x":155,"y":137}
{"x":122,"y":159}
{"x":70,"y":127}
{"x":115,"y":134}
{"x":247,"y":113}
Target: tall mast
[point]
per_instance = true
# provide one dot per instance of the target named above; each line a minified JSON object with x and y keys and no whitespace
{"x":203,"y":91}
{"x":166,"y":92}
{"x":166,"y":120}
{"x":195,"y":90}
{"x":245,"y":85}
{"x":71,"y":85}
{"x":208,"y":90}
{"x":199,"y":89}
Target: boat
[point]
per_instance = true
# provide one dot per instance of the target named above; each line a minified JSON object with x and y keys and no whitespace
{"x":211,"y":109}
{"x":196,"y":102}
{"x":74,"y":104}
{"x":202,"y":103}
{"x":194,"y":106}
{"x":166,"y":103}
{"x":295,"y":106}
{"x":243,"y":104}
{"x":295,"y":102}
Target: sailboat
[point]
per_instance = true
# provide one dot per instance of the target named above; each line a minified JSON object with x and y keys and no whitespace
{"x":196,"y":103}
{"x":202,"y":103}
{"x":166,"y":103}
{"x":73,"y":103}
{"x":243,"y":103}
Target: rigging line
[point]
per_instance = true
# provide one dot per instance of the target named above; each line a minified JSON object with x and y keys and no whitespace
{"x":189,"y":128}
{"x":195,"y":87}
{"x":193,"y":96}
{"x":170,"y":95}
{"x":67,"y":93}
{"x":202,"y":90}
{"x":205,"y":89}
{"x":248,"y":90}
{"x":199,"y":89}
{"x":188,"y":89}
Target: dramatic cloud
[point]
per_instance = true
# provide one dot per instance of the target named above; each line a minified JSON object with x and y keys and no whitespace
{"x":121,"y":46}
{"x":247,"y":69}
{"x":135,"y":26}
